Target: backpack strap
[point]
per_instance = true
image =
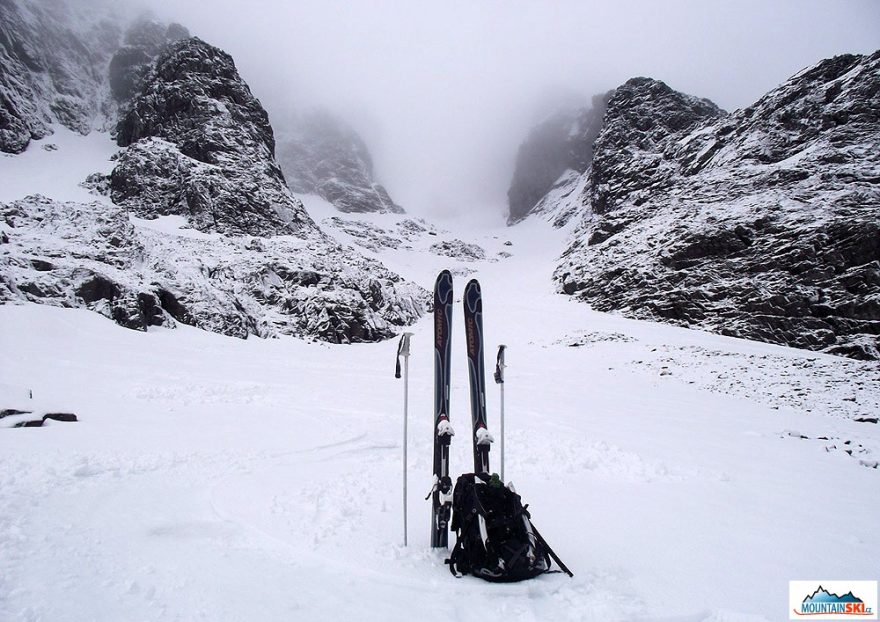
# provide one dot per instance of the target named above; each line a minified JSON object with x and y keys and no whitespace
{"x":456,"y":550}
{"x":558,"y":561}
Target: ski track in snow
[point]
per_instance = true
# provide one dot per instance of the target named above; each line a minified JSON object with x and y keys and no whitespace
{"x":222,"y":479}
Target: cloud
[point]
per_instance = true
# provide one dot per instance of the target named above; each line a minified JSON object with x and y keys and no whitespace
{"x":444,"y":92}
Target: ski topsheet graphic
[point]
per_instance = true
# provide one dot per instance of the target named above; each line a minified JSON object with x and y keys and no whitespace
{"x":473,"y":326}
{"x":441,"y":493}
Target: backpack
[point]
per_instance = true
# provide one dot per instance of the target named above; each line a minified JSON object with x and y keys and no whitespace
{"x":496,"y":539}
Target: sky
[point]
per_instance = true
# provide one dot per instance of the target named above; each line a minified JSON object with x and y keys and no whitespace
{"x":443,"y":93}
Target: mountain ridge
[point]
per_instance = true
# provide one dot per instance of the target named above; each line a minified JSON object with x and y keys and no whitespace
{"x":762,"y":223}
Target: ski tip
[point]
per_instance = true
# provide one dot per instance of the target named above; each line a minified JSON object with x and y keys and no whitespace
{"x":445,"y":277}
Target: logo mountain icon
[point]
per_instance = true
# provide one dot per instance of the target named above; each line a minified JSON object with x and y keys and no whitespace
{"x":821,"y":595}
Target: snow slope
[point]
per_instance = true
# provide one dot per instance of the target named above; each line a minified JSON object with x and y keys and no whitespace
{"x":224,"y":479}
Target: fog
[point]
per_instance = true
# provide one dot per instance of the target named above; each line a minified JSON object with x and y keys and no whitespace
{"x":444,"y":92}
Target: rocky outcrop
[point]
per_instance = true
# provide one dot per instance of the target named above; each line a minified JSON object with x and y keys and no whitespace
{"x":92,"y":256}
{"x":558,"y":148}
{"x":201,"y":146}
{"x":144,"y":40}
{"x":643,"y":116}
{"x":762,"y":224}
{"x":49,"y":73}
{"x":322,"y":155}
{"x":244,"y":259}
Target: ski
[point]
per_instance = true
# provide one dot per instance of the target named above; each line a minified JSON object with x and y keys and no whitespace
{"x":441,"y":493}
{"x":473,"y":324}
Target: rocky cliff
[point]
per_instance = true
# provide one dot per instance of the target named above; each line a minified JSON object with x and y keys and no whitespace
{"x":762,"y":224}
{"x":202,"y":229}
{"x":322,"y":155}
{"x":53,"y":61}
{"x":201,"y":146}
{"x":556,"y":150}
{"x":144,"y":40}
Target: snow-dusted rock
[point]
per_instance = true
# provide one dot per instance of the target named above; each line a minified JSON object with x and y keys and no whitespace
{"x":197,"y":145}
{"x":558,"y":148}
{"x":322,"y":155}
{"x":144,"y":41}
{"x":201,"y":147}
{"x":53,"y":60}
{"x":459,"y":249}
{"x":153,"y":274}
{"x":763,"y":224}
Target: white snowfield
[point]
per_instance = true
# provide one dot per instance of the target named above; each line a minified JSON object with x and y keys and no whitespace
{"x":212,"y":478}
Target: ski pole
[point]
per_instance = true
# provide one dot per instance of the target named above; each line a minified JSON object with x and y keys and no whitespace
{"x":499,"y":380}
{"x":403,"y":351}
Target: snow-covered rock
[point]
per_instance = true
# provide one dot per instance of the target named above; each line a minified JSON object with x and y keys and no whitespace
{"x":144,"y":40}
{"x":202,"y":228}
{"x":459,"y":249}
{"x":152,"y":273}
{"x":763,"y":223}
{"x":557,"y":149}
{"x":322,"y":155}
{"x":202,"y":147}
{"x":53,"y":68}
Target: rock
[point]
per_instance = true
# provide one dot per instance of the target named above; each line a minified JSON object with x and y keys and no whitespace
{"x":458,"y":249}
{"x":97,"y":183}
{"x":195,"y":143}
{"x":50,"y":73}
{"x":762,"y":224}
{"x":560,"y":144}
{"x":321,"y":155}
{"x":234,"y":285}
{"x":64,"y":417}
{"x":200,"y":145}
{"x":8,"y":412}
{"x":144,"y":40}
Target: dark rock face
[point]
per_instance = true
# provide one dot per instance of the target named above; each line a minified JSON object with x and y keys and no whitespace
{"x":201,"y":146}
{"x":762,"y":224}
{"x":144,"y":41}
{"x":643,"y":114}
{"x":48,"y":73}
{"x":562,"y":142}
{"x":322,"y":155}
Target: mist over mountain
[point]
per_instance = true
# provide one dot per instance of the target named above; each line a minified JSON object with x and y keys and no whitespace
{"x":761,"y":223}
{"x":216,"y":219}
{"x":321,"y":154}
{"x":198,"y":154}
{"x":443,"y":94}
{"x":560,"y":145}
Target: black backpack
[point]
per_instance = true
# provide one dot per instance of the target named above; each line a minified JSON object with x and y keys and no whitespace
{"x":496,"y":538}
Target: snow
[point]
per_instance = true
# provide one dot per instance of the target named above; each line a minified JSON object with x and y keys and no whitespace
{"x":174,"y":225}
{"x":225,"y":479}
{"x":56,"y":174}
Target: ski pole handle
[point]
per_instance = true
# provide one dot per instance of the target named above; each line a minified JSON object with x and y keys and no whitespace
{"x":499,"y":380}
{"x":499,"y":365}
{"x":402,"y":351}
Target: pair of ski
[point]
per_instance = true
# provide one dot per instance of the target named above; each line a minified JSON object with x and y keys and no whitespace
{"x":441,"y":495}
